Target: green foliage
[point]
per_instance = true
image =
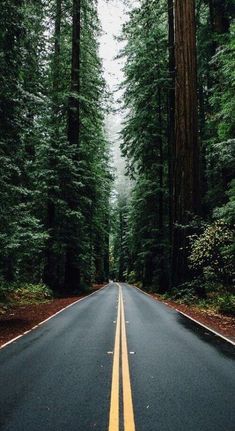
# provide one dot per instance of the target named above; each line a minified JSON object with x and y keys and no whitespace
{"x":216,"y":66}
{"x":53,"y":195}
{"x":144,"y":141}
{"x":219,"y":302}
{"x":222,"y":97}
{"x":18,"y":294}
{"x":211,"y":252}
{"x":132,"y":279}
{"x":226,"y":304}
{"x":185,"y":295}
{"x":227,"y":211}
{"x":119,"y":252}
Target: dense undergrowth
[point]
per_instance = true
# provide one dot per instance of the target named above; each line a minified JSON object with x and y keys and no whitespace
{"x":218,"y":301}
{"x":22,"y":294}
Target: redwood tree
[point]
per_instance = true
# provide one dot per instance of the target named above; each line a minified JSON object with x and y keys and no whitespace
{"x":219,"y":16}
{"x":50,"y":277}
{"x":72,"y":270}
{"x":186,"y":199}
{"x":171,"y":110}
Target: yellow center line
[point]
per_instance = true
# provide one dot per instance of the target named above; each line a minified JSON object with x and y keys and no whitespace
{"x":129,"y":421}
{"x":114,"y":404}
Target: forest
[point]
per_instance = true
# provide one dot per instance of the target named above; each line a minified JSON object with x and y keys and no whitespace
{"x":62,"y":228}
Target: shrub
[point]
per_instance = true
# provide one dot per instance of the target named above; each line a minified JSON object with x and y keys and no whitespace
{"x":212,"y":253}
{"x":24,"y":293}
{"x":131,"y":277}
{"x":226,"y":304}
{"x":184,"y":295}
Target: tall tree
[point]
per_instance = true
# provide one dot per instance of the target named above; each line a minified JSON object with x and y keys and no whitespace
{"x":11,"y":119}
{"x":186,"y":190}
{"x":145,"y":142}
{"x":219,"y":16}
{"x":171,"y":111}
{"x":50,"y":277}
{"x":72,"y":270}
{"x":22,"y":234}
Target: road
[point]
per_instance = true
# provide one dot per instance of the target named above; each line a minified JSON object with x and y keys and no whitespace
{"x":118,"y":360}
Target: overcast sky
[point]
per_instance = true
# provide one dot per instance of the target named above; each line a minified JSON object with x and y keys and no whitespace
{"x":112,"y":15}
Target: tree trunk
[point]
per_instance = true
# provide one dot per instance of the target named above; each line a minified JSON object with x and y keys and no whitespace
{"x":162,"y":273}
{"x":171,"y":114}
{"x":186,"y":185}
{"x":50,"y":276}
{"x":203,"y":161}
{"x":219,"y":16}
{"x":106,"y":253}
{"x":74,"y":104}
{"x":160,"y":160}
{"x":72,"y":270}
{"x":121,"y":251}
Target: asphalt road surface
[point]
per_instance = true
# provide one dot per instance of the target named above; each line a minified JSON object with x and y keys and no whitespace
{"x":118,"y":360}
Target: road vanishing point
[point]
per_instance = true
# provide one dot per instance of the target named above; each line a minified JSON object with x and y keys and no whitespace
{"x":118,"y":361}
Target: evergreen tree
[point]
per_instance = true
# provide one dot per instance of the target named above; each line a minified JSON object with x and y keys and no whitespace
{"x":186,"y":190}
{"x":145,"y":140}
{"x":56,"y":180}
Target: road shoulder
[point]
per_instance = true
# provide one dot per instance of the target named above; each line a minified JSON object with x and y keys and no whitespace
{"x":218,"y":323}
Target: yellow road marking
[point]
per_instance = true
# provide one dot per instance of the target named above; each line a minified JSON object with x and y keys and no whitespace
{"x":120,"y":336}
{"x":129,"y":421}
{"x":114,"y":405}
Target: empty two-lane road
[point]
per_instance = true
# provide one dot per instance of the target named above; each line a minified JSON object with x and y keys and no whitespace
{"x":118,"y":360}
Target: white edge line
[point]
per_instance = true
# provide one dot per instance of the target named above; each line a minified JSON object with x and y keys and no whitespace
{"x":206,"y":327}
{"x":189,"y":317}
{"x":51,"y":317}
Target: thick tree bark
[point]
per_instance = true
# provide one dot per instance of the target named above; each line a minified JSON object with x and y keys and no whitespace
{"x":186,"y":185}
{"x":162,"y":273}
{"x":203,"y":161}
{"x":160,"y":161}
{"x":171,"y":114}
{"x":72,"y":270}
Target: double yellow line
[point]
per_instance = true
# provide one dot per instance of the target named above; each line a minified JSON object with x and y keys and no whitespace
{"x":120,"y":347}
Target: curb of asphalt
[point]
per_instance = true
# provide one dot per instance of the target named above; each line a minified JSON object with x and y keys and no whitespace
{"x":49,"y":318}
{"x":189,"y":317}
